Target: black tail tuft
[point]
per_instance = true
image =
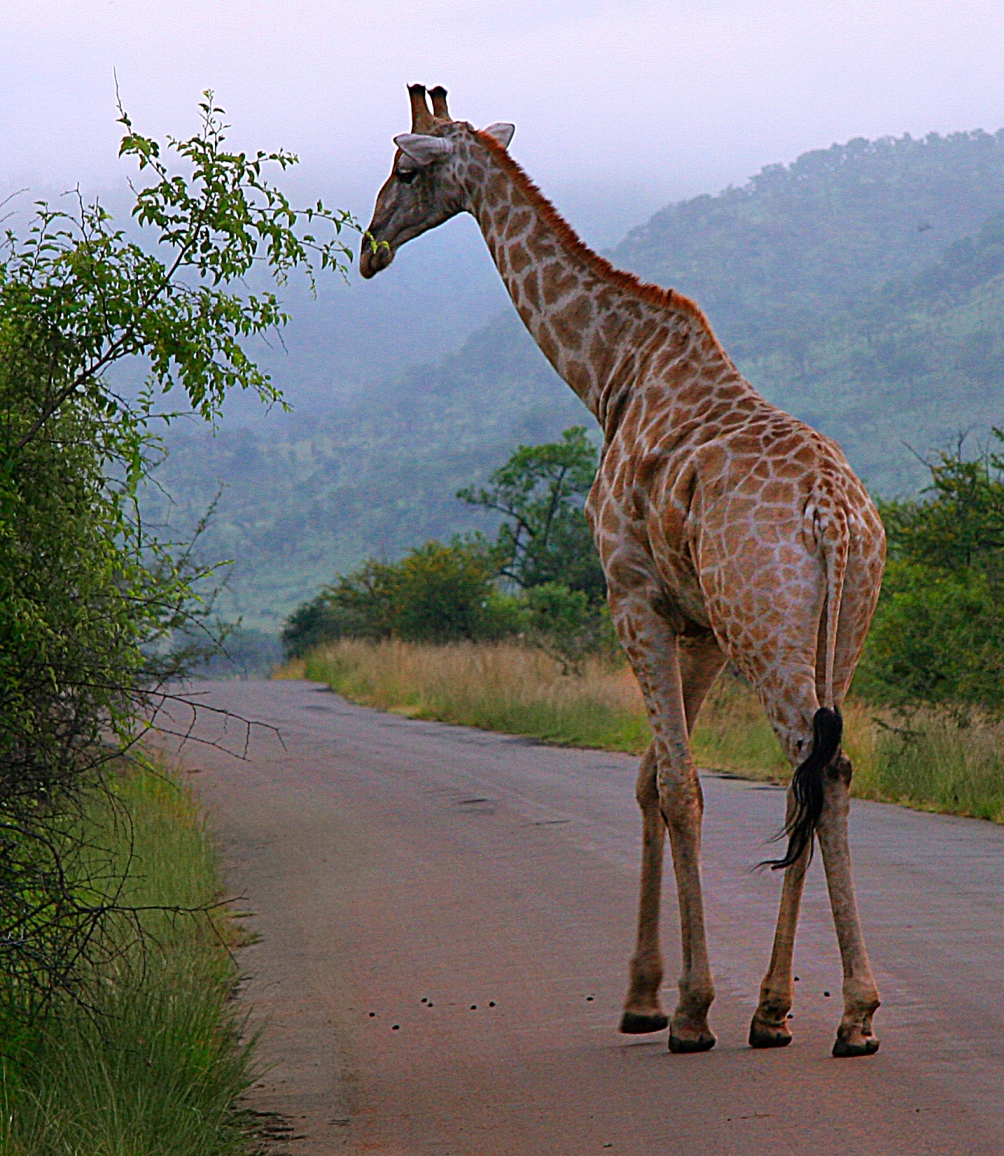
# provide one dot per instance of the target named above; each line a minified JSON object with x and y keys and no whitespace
{"x":807,"y":786}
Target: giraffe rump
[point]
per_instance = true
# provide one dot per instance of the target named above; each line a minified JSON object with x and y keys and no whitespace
{"x":807,"y":787}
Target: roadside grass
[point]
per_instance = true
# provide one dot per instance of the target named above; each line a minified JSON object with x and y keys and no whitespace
{"x":500,"y":687}
{"x":150,"y":1060}
{"x":926,"y":761}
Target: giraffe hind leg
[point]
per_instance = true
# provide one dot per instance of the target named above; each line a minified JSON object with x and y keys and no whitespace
{"x":855,"y":1035}
{"x":769,"y":1027}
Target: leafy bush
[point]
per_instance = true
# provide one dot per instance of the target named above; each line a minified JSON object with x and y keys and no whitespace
{"x":569,"y":627}
{"x":440,"y":593}
{"x":937,"y":640}
{"x":938,"y":635}
{"x":436,"y":593}
{"x":89,"y":597}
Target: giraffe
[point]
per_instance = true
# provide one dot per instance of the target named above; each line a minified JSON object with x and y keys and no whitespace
{"x":727,"y":530}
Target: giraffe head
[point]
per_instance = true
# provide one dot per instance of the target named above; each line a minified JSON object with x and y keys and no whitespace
{"x":425,"y":186}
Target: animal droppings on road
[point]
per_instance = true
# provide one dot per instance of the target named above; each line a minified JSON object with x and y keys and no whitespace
{"x":827,"y":994}
{"x":474,"y":1007}
{"x":372,"y":1014}
{"x":589,"y":999}
{"x":395,"y":1028}
{"x":491,"y":1003}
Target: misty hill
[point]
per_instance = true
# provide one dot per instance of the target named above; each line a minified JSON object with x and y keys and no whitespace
{"x":376,"y":475}
{"x":771,"y":261}
{"x":861,"y":288}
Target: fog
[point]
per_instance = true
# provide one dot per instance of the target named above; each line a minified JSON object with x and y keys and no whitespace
{"x":620,"y":107}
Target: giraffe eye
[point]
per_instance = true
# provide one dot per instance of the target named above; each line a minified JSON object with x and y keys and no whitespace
{"x":406,"y":176}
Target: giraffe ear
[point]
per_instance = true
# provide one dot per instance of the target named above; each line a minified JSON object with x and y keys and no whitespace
{"x":423,"y":150}
{"x":502,"y":132}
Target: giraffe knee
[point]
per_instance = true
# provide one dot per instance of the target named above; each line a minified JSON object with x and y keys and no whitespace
{"x":646,"y":788}
{"x":682,"y":806}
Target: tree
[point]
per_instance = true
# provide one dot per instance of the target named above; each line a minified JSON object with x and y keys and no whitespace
{"x":435,"y":593}
{"x":938,"y":635}
{"x":89,"y":597}
{"x":541,"y":491}
{"x":961,"y":524}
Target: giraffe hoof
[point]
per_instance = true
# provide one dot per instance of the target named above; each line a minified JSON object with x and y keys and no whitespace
{"x":766,"y":1035}
{"x":698,"y":1041}
{"x":862,"y":1046}
{"x":640,"y":1023}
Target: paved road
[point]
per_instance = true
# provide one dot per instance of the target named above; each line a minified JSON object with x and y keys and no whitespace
{"x":446,"y":917}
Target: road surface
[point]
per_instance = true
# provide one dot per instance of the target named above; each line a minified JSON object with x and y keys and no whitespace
{"x":445,"y":919}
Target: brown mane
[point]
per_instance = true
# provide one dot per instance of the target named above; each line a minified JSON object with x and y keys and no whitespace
{"x":654,"y":294}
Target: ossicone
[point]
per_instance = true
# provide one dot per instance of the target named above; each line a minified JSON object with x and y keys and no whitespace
{"x":439,"y":109}
{"x":421,"y":117}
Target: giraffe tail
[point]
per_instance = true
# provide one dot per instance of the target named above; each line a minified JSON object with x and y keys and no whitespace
{"x":807,"y":783}
{"x":807,"y":787}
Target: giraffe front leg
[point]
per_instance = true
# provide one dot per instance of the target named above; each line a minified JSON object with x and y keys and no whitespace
{"x":701,"y":662}
{"x":855,"y":1036}
{"x":643,"y":1010}
{"x":654,"y":651}
{"x":769,"y":1027}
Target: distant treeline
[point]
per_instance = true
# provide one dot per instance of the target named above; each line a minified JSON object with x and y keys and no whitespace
{"x":937,"y":640}
{"x":540,"y":579}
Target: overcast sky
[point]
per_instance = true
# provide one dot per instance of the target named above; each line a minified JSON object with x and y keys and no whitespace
{"x":640,"y":101}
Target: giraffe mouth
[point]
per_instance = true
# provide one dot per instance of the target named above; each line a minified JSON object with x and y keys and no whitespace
{"x":372,"y":260}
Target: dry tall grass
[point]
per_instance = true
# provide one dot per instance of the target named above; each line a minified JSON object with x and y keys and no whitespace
{"x":929,"y":763}
{"x":501,"y":687}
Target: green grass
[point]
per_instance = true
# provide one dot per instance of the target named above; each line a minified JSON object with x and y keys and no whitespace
{"x":154,"y":1063}
{"x":929,"y":762}
{"x":733,"y":734}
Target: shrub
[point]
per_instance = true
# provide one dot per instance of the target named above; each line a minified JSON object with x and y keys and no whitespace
{"x":938,"y":635}
{"x":938,"y":640}
{"x":436,"y":593}
{"x":565,"y":624}
{"x":89,"y":597}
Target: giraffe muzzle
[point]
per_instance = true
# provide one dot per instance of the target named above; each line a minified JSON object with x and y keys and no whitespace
{"x":373,"y":259}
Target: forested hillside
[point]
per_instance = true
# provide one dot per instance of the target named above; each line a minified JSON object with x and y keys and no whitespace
{"x":862,"y":288}
{"x":839,"y":285}
{"x":376,"y":475}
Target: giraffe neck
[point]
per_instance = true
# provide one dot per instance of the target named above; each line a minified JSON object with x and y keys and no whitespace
{"x":601,"y":330}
